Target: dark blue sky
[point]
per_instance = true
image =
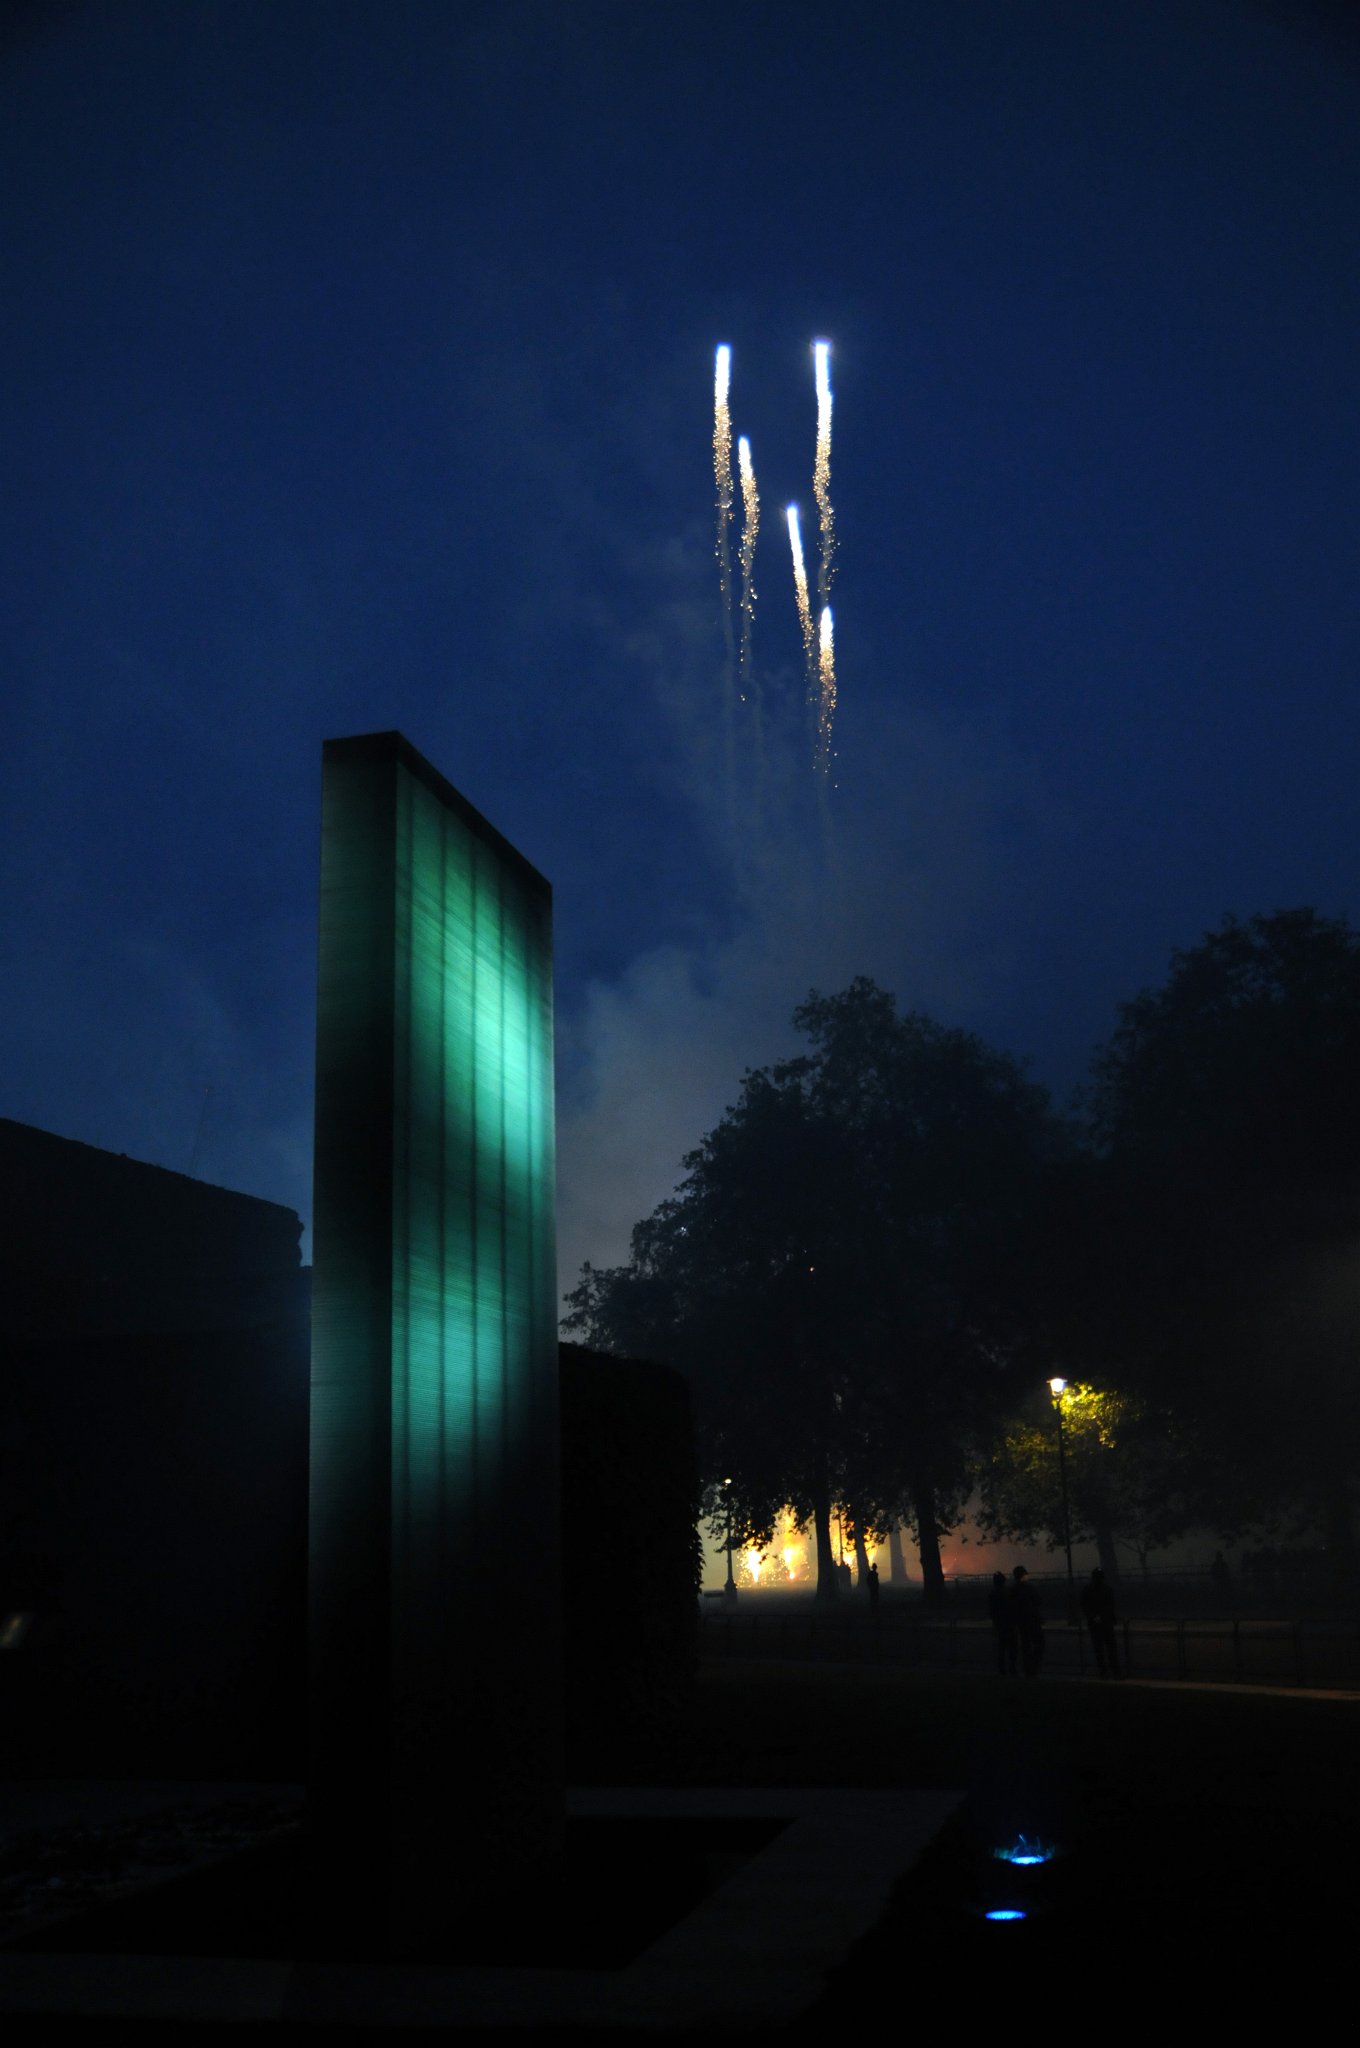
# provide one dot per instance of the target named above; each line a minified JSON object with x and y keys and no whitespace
{"x":358,"y":373}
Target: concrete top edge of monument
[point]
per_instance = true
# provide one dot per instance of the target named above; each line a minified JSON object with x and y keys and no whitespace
{"x":396,"y":748}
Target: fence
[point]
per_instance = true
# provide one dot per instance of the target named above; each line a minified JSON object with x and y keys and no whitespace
{"x":1244,"y":1651}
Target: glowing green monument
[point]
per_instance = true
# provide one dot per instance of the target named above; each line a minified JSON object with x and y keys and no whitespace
{"x":435,"y":1772}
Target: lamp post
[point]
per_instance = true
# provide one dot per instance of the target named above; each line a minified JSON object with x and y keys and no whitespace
{"x":1056,"y":1387}
{"x":730,"y":1589}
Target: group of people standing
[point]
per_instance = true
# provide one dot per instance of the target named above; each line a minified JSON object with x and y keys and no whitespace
{"x":1018,"y":1624}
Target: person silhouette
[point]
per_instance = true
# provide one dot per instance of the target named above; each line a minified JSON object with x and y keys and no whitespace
{"x":1001,"y":1608}
{"x":1097,"y":1604}
{"x":1029,"y":1622}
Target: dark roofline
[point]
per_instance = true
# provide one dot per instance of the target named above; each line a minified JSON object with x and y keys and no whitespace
{"x":210,"y":1187}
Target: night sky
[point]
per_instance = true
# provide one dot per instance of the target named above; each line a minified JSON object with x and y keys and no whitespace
{"x":358,"y":372}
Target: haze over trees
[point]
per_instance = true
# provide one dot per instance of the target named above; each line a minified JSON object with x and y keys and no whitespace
{"x":888,"y":1244}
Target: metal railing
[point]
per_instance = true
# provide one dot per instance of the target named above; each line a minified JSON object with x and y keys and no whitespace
{"x":1236,"y":1651}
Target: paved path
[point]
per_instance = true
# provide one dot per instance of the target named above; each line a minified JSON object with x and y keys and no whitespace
{"x":755,"y":1953}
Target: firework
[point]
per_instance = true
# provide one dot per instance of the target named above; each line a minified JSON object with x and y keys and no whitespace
{"x":821,"y":475}
{"x":826,"y":706}
{"x":722,"y":478}
{"x":741,"y":680}
{"x":800,"y":591}
{"x":750,"y":527}
{"x":722,"y":471}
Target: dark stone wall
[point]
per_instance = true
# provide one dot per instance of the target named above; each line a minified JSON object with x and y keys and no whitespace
{"x":95,"y":1243}
{"x":632,"y":1563}
{"x":153,"y":1492}
{"x":153,"y":1468}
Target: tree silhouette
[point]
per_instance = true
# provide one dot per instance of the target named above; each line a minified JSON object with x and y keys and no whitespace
{"x":1226,"y":1109}
{"x":847,"y":1271}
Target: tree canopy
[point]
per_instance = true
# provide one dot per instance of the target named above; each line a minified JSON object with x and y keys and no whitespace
{"x":846,"y":1270}
{"x":1226,"y":1113}
{"x":887,"y":1243}
{"x":1131,"y":1475}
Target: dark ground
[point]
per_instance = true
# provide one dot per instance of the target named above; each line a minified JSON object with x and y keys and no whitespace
{"x":1206,"y":1865}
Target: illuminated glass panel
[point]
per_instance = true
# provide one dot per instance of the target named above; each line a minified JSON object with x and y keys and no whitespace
{"x":472,"y":1269}
{"x":434,"y":1364}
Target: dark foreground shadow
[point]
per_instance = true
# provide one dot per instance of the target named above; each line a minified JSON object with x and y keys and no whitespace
{"x":619,"y":1885}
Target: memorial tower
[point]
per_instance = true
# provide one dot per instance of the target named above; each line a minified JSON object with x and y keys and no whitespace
{"x":434,"y":1668}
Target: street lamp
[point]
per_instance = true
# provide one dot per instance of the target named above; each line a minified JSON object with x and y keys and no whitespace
{"x":1057,"y":1387}
{"x":730,"y":1589}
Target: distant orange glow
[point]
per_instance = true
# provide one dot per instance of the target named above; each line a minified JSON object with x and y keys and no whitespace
{"x":792,"y":1550}
{"x":789,"y":1559}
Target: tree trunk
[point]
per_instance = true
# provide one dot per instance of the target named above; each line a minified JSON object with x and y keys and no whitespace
{"x":928,"y":1542}
{"x":826,"y":1560}
{"x":1105,"y":1545}
{"x":861,"y":1558}
{"x":897,"y":1563}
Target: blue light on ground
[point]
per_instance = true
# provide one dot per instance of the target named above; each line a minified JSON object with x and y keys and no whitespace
{"x":1006,"y":1913}
{"x":1024,"y":1853}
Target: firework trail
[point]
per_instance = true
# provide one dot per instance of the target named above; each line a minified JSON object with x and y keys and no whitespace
{"x":750,"y":681}
{"x":826,"y":706}
{"x":821,"y":475}
{"x":814,"y":618}
{"x":722,"y":478}
{"x":750,"y":527}
{"x":800,"y":591}
{"x":722,"y":467}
